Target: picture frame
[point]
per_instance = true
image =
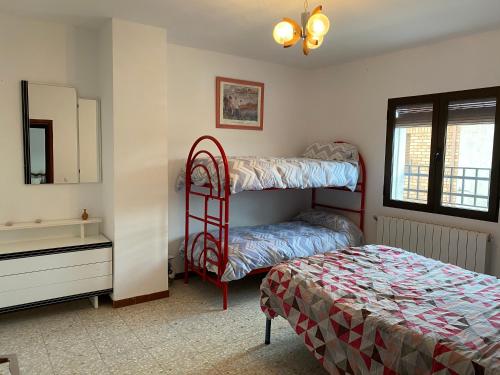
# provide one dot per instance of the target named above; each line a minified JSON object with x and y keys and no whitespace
{"x":239,"y":104}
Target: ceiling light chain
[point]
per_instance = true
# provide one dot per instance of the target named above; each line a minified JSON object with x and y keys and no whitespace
{"x":315,"y":26}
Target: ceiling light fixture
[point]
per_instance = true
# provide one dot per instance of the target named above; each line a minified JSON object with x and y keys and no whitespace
{"x":314,"y":27}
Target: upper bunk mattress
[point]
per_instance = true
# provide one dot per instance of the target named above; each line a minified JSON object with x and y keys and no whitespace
{"x":381,"y":310}
{"x":254,"y":247}
{"x":259,"y":173}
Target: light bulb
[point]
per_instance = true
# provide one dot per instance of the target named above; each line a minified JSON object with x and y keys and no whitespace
{"x":318,"y":24}
{"x":311,"y":41}
{"x":283,"y":32}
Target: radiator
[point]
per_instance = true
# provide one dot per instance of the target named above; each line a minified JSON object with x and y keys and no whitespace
{"x":460,"y":247}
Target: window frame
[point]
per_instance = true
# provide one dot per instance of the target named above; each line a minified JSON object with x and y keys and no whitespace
{"x":440,"y":103}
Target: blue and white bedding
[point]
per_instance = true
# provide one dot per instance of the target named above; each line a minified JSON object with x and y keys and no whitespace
{"x":311,"y":232}
{"x":259,"y":173}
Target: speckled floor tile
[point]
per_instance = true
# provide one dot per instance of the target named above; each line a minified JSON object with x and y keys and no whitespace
{"x":102,"y":317}
{"x":16,"y":341}
{"x":116,"y":344}
{"x":21,"y":322}
{"x":68,"y":343}
{"x":80,"y":365}
{"x":133,"y":362}
{"x":172,"y":312}
{"x":185,"y":334}
{"x":106,"y":327}
{"x":183,"y":360}
{"x":35,"y":362}
{"x":4,"y":369}
{"x":140,"y":319}
{"x":262,"y":359}
{"x":60,"y":322}
{"x":158,"y":334}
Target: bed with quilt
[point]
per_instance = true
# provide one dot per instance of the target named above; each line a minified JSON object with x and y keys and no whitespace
{"x":256,"y":247}
{"x":322,"y":165}
{"x":381,"y":310}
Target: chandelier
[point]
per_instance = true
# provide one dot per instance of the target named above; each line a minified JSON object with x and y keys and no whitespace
{"x":314,"y":27}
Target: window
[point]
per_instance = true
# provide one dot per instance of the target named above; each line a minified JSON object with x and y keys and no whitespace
{"x":443,"y":153}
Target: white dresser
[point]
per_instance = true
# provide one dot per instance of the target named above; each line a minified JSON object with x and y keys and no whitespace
{"x":70,"y":260}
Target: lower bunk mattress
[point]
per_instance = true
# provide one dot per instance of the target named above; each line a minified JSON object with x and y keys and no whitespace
{"x":253,"y":247}
{"x":381,"y":310}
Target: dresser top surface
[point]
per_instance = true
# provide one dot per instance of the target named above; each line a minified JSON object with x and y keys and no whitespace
{"x":50,"y":243}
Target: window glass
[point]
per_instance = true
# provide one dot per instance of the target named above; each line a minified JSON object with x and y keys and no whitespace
{"x":468,"y":154}
{"x":38,"y":156}
{"x":411,"y":153}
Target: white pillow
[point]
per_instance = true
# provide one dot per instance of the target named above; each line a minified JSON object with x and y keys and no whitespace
{"x":335,"y":222}
{"x":332,"y":151}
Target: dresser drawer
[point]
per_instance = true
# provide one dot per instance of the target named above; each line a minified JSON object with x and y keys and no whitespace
{"x":53,"y":291}
{"x":54,"y":276}
{"x":54,"y":261}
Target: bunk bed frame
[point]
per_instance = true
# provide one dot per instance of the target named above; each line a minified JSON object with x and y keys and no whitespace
{"x":218,"y":191}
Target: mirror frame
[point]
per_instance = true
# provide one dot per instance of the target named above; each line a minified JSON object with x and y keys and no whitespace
{"x":26,"y":131}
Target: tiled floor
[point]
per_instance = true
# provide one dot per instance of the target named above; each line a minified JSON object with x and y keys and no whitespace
{"x":187,"y":333}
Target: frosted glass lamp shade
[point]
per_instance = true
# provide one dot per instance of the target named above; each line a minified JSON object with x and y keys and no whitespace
{"x":318,"y":25}
{"x":314,"y":42}
{"x":283,"y":32}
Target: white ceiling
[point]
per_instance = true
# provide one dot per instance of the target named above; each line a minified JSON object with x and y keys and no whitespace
{"x":244,"y":27}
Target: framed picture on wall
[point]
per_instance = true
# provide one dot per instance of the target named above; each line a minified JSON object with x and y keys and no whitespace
{"x":239,"y":104}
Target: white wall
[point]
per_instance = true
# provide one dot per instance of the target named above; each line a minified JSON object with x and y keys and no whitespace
{"x":351,"y":103}
{"x":42,"y":52}
{"x":138,"y":183}
{"x":191,"y":113}
{"x":106,"y":96}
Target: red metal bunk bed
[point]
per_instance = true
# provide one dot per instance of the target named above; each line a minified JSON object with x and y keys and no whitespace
{"x":219,"y":191}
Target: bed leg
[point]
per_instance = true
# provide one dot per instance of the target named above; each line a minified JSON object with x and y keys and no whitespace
{"x":224,"y":296}
{"x":267,"y":340}
{"x":186,"y":269}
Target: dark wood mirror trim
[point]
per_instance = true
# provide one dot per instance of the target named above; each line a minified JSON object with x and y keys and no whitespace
{"x":46,"y":125}
{"x":26,"y":131}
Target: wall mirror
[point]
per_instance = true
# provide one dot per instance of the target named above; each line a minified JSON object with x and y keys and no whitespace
{"x":61,"y":135}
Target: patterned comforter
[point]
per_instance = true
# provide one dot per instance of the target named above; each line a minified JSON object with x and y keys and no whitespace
{"x":259,"y":173}
{"x":263,"y":246}
{"x":381,"y":310}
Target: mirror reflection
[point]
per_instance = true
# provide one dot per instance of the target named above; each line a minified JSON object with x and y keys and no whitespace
{"x":41,"y":152}
{"x":53,"y":113}
{"x":61,"y":135}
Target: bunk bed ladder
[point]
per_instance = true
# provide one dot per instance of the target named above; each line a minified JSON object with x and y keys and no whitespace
{"x":217,"y":190}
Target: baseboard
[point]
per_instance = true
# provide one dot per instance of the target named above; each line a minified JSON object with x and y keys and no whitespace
{"x":140,"y":299}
